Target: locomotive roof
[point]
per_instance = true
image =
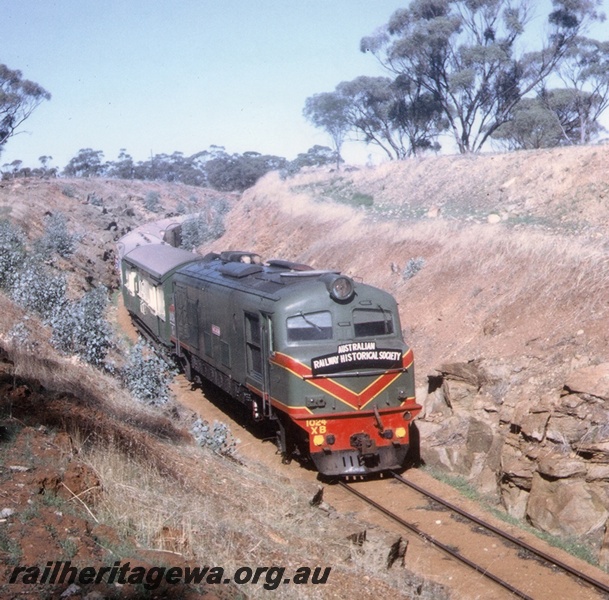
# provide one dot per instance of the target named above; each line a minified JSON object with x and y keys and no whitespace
{"x":159,"y":259}
{"x":268,"y":279}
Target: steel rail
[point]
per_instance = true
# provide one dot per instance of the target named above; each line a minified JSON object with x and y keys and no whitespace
{"x":437,"y":543}
{"x":599,"y":585}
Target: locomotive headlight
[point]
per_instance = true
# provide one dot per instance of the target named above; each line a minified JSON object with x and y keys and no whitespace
{"x":318,"y":440}
{"x":400,"y":432}
{"x":341,"y":288}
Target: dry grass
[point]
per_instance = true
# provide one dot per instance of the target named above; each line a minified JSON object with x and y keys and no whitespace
{"x":276,"y":527}
{"x":550,"y":271}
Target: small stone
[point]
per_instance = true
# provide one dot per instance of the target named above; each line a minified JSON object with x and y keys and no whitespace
{"x":71,"y":590}
{"x":19,"y":468}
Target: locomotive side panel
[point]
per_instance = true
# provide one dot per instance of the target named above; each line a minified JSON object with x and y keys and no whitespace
{"x":222,"y":334}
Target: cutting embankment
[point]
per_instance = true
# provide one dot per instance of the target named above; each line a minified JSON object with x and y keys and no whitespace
{"x":500,"y":266}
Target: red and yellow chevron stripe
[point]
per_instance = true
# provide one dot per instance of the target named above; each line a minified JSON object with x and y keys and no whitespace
{"x":333,"y":387}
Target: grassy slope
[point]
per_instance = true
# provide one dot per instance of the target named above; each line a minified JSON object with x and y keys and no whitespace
{"x":533,"y":285}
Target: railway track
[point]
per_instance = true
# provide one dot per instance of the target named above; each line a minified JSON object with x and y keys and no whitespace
{"x":567,"y":581}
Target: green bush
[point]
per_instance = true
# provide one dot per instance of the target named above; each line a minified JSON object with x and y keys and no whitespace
{"x":56,"y":237}
{"x":12,"y":253}
{"x":147,"y":376}
{"x":360,"y":199}
{"x":413,"y":266}
{"x":201,"y":228}
{"x":38,"y":289}
{"x":217,"y":437}
{"x":153,"y":202}
{"x":81,"y":327}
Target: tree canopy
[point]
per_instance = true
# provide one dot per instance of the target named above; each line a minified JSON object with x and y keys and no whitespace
{"x":465,"y":53}
{"x":214,"y":167}
{"x":453,"y":68}
{"x":329,"y":111}
{"x":18,"y":99}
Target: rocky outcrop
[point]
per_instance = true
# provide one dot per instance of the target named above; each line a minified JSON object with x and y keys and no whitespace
{"x":544,"y":456}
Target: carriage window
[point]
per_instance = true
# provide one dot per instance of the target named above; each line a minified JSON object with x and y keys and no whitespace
{"x":369,"y":322}
{"x":131,"y":281}
{"x":310,"y":326}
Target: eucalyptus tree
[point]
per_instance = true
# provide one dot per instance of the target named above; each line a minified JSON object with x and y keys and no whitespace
{"x":466,"y":53}
{"x":585,"y":73}
{"x":18,"y":99}
{"x":329,"y":111}
{"x":533,"y":124}
{"x":123,"y":168}
{"x":87,"y":163}
{"x":370,"y":102}
{"x":398,"y":116}
{"x":316,"y":156}
{"x":418,"y":113}
{"x":237,"y":172}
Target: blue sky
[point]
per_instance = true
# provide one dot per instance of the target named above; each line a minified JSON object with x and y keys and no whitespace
{"x":160,"y":76}
{"x":157,"y":76}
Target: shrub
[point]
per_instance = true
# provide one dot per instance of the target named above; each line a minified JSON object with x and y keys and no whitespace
{"x":413,"y":266}
{"x":37,"y":289}
{"x":12,"y":253}
{"x":57,"y":238}
{"x":146,"y":375}
{"x":69,"y":191}
{"x":81,"y":328}
{"x":194,"y":231}
{"x":200,"y":228}
{"x":153,"y":202}
{"x":360,"y":199}
{"x":217,"y":437}
{"x":95,"y":200}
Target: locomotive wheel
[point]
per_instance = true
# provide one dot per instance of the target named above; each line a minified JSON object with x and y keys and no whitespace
{"x":186,"y":366}
{"x":287,"y":440}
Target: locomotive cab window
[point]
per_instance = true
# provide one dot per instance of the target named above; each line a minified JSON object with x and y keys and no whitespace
{"x":310,"y":326}
{"x":370,"y":322}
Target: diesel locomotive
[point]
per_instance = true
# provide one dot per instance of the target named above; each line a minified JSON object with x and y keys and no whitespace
{"x":316,"y":352}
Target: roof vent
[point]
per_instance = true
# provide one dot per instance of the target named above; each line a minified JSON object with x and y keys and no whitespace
{"x":248,"y":258}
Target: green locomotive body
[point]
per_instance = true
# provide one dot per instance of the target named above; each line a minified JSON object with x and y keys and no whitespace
{"x":316,"y":352}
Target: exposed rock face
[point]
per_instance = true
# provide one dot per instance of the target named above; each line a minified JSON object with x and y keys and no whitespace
{"x":592,"y":381}
{"x":545,"y":456}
